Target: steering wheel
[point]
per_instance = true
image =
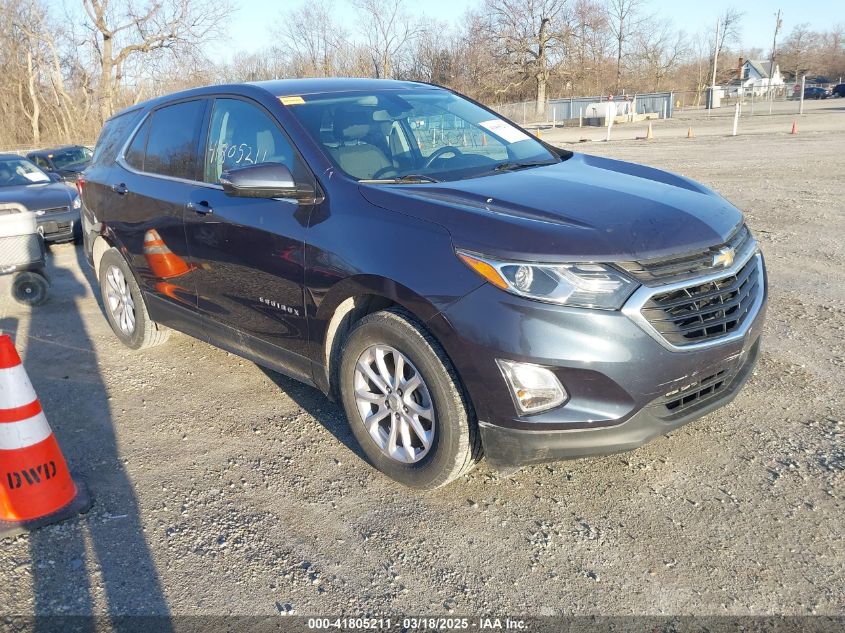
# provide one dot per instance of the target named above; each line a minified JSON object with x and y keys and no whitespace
{"x":446,"y":149}
{"x":384,"y":170}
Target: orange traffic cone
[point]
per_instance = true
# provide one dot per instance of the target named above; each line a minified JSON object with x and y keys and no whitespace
{"x":35,"y":485}
{"x":162,"y":261}
{"x":794,"y":128}
{"x":689,"y":133}
{"x":649,"y":135}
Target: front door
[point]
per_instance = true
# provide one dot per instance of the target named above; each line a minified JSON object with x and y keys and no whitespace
{"x":248,"y":252}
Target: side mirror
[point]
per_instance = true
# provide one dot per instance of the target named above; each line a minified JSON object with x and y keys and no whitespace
{"x":266,"y":180}
{"x":54,"y":176}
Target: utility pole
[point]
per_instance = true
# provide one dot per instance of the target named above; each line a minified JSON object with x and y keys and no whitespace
{"x":715,"y":60}
{"x":778,"y":23}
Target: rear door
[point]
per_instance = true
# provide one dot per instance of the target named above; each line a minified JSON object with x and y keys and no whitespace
{"x":248,"y":252}
{"x":150,"y":186}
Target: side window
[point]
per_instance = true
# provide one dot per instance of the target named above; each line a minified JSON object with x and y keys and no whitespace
{"x":135,"y":152}
{"x":242,"y":134}
{"x":173,"y":140}
{"x":113,"y":136}
{"x":41,"y":163}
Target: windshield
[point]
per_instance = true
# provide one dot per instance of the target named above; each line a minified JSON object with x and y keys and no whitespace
{"x":19,"y":171}
{"x":421,"y":135}
{"x":71,"y":157}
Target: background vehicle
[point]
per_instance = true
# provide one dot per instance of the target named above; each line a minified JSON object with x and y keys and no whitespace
{"x":67,"y":161}
{"x":22,"y":254}
{"x":449,"y":278}
{"x":55,"y":205}
{"x":838,"y":90}
{"x":815,"y":92}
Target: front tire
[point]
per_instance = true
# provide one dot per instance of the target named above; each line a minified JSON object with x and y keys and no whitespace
{"x":124,"y":305}
{"x":405,"y":403}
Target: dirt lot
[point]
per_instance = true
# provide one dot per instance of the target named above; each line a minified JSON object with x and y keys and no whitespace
{"x":223,"y":488}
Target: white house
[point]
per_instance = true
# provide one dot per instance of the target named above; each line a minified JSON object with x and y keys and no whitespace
{"x":755,"y":76}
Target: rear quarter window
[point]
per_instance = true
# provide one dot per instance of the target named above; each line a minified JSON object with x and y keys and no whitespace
{"x":113,"y":135}
{"x":134,"y":154}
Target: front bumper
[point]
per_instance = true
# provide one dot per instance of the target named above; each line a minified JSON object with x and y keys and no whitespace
{"x":58,"y":227}
{"x":625,"y":387}
{"x":508,"y":447}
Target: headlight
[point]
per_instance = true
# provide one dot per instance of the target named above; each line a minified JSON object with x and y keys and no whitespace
{"x":77,"y":203}
{"x":582,"y":285}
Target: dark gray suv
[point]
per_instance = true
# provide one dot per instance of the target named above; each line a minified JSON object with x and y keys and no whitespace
{"x":460,"y":286}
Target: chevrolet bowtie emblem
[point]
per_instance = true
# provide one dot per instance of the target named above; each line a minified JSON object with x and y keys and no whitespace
{"x":724,"y":258}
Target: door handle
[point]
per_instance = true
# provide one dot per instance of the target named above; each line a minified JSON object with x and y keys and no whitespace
{"x":202,"y":208}
{"x":120,"y":189}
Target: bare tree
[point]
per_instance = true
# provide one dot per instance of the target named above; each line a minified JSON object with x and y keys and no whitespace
{"x":727,"y":32}
{"x":625,"y":18}
{"x":26,"y":52}
{"x":798,"y":48}
{"x":660,"y":49}
{"x":591,"y":43}
{"x":388,"y":31}
{"x":122,"y":30}
{"x":532,"y":36}
{"x":314,"y":39}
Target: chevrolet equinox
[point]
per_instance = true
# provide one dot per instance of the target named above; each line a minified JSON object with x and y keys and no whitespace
{"x":463,"y":288}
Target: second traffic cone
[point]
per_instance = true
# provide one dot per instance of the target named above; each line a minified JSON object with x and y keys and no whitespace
{"x":36,"y":487}
{"x":689,"y":133}
{"x":794,"y":128}
{"x":163,"y":262}
{"x":649,"y":135}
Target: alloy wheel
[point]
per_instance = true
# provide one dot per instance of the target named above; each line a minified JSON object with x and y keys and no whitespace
{"x":394,"y":403}
{"x":119,"y":299}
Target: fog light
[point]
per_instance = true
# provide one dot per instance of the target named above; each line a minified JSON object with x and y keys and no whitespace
{"x":534,"y":388}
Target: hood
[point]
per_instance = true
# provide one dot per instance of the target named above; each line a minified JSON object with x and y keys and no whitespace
{"x":584,"y":208}
{"x":39,"y":196}
{"x":73,"y":169}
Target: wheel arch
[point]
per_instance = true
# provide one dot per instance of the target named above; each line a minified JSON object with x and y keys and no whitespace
{"x":98,"y":249}
{"x":348,"y":302}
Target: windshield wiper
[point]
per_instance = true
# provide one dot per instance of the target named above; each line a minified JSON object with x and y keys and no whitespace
{"x":513,"y":166}
{"x":408,"y":178}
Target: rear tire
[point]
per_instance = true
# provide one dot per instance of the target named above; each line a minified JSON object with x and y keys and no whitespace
{"x":124,"y":305}
{"x":30,"y":288}
{"x":440,"y":440}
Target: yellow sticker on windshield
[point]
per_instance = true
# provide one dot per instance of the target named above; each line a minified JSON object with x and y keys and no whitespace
{"x":294,"y":100}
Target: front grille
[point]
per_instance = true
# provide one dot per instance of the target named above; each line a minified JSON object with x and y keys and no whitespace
{"x":676,"y":268}
{"x":705,"y":311}
{"x":690,"y":395}
{"x":53,"y":210}
{"x":60,"y":228}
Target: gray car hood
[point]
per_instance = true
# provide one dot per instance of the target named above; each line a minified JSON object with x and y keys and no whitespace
{"x":584,"y":208}
{"x":39,"y":196}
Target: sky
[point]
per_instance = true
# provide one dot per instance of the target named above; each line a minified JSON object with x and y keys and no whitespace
{"x":250,"y":27}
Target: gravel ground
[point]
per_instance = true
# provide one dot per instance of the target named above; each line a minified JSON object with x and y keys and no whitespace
{"x":222,"y":488}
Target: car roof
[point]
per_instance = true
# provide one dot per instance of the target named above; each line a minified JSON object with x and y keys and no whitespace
{"x":285,"y":87}
{"x":288,"y":87}
{"x":10,"y":156}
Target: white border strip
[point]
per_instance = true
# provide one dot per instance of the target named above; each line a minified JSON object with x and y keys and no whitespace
{"x":17,"y":435}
